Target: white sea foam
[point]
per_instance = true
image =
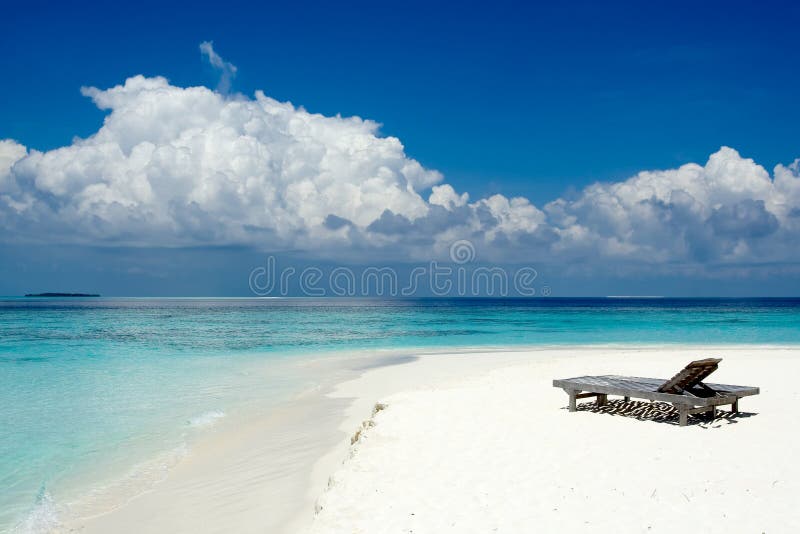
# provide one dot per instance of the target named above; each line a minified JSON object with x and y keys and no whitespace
{"x":206,"y":419}
{"x":43,"y":518}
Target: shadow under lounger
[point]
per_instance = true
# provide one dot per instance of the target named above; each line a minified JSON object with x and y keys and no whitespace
{"x":695,"y":398}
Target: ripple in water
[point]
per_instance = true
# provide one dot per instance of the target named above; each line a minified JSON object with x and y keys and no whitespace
{"x":206,"y":419}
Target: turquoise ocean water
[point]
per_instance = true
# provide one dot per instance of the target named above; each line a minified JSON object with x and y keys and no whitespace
{"x":89,"y":387}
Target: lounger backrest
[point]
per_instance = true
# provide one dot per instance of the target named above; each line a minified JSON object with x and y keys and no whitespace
{"x":690,"y":376}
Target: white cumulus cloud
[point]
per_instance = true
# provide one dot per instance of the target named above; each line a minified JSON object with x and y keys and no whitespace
{"x":186,"y":166}
{"x":174,"y":166}
{"x":10,"y":152}
{"x":729,"y":209}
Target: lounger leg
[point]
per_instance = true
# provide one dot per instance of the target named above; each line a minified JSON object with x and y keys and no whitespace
{"x":683,"y":412}
{"x":573,"y":406}
{"x":602,"y":399}
{"x":627,"y":398}
{"x":735,"y":406}
{"x":713,"y":411}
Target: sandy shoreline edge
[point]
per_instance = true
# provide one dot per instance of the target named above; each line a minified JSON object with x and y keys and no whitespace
{"x":228,"y":482}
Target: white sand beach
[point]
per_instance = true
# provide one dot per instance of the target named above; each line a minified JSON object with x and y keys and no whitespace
{"x":480,"y":441}
{"x":497,"y":452}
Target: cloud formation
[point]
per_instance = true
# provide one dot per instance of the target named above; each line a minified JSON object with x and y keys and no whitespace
{"x":179,"y":167}
{"x":227,"y":70}
{"x":728,"y":210}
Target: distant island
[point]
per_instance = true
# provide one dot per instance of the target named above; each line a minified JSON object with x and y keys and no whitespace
{"x":62,"y":295}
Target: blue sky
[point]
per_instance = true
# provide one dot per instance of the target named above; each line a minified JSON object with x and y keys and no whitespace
{"x":531,"y":100}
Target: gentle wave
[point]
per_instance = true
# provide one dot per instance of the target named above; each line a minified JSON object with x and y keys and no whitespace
{"x":43,"y":518}
{"x":49,"y":516}
{"x":206,"y":419}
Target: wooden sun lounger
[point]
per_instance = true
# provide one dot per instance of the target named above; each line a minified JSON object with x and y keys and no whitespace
{"x":686,"y":390}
